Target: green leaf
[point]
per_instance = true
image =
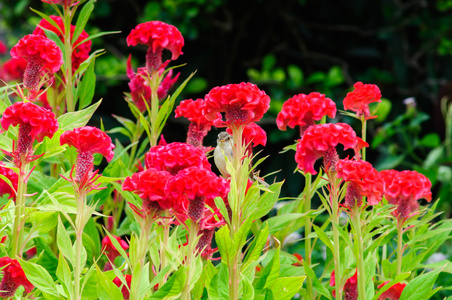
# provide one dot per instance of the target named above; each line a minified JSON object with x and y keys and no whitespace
{"x":106,"y":288}
{"x":64,"y":275}
{"x":248,"y":289}
{"x":267,"y":201}
{"x":64,"y":243}
{"x":219,"y":285}
{"x":173,"y":287}
{"x":39,"y":277}
{"x":316,"y":282}
{"x":420,"y":288}
{"x":43,"y":221}
{"x":80,"y":118}
{"x":96,"y":35}
{"x":278,"y":223}
{"x":239,"y":238}
{"x":287,"y":287}
{"x":324,"y":238}
{"x":46,"y":259}
{"x":386,"y":287}
{"x":82,"y":20}
{"x":224,"y":243}
{"x":86,"y":89}
{"x":258,"y":244}
{"x":270,"y":273}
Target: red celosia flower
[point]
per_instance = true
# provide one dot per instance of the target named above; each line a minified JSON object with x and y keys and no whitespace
{"x":299,"y":260}
{"x":253,"y":135}
{"x":321,"y":140}
{"x":241,"y":103}
{"x":350,"y":286}
{"x":140,"y":91}
{"x":61,"y":2}
{"x":359,"y":100}
{"x":198,"y":186}
{"x":79,"y":53}
{"x":13,"y":69}
{"x":110,"y":249}
{"x":2,"y":48}
{"x":12,"y":176}
{"x":393,"y":293}
{"x":87,"y":140}
{"x":157,"y":36}
{"x":40,"y":53}
{"x":403,"y":189}
{"x":34,"y":123}
{"x":175,"y":157}
{"x":303,"y":110}
{"x":363,"y":181}
{"x":150,"y":186}
{"x":125,"y":289}
{"x":13,"y":277}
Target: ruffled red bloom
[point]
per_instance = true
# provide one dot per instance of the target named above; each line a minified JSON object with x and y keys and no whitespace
{"x":3,"y":48}
{"x":140,"y":91}
{"x":350,"y":286}
{"x":198,"y":186}
{"x":62,"y":2}
{"x":40,"y":53}
{"x":150,"y":186}
{"x":13,"y":277}
{"x":359,"y":99}
{"x":12,"y":176}
{"x":13,"y":69}
{"x":363,"y":181}
{"x":303,"y":110}
{"x":34,"y":123}
{"x":157,"y":36}
{"x":253,"y":135}
{"x":393,"y":293}
{"x":404,"y":188}
{"x":321,"y":140}
{"x":125,"y":289}
{"x":241,"y":103}
{"x":110,"y":249}
{"x":175,"y":157}
{"x":87,"y":140}
{"x":79,"y":53}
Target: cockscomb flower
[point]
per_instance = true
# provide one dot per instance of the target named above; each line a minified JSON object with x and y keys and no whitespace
{"x":61,"y":2}
{"x":87,"y":140}
{"x":125,"y":289}
{"x":394,"y":292}
{"x":252,"y":136}
{"x":34,"y":123}
{"x":13,"y":69}
{"x":5,"y":188}
{"x":194,"y":111}
{"x":150,"y":186}
{"x":175,"y":157}
{"x":3,"y":48}
{"x":350,"y":286}
{"x":13,"y":277}
{"x":404,"y":188}
{"x":198,"y":186}
{"x":241,"y":104}
{"x":157,"y":36}
{"x":359,"y":99}
{"x":140,"y":91}
{"x":79,"y":53}
{"x":303,"y":110}
{"x":40,"y":53}
{"x":111,"y":251}
{"x":320,"y":141}
{"x":363,"y":181}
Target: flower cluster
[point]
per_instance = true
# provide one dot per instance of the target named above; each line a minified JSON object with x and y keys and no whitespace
{"x":13,"y":277}
{"x":359,"y":99}
{"x":13,"y":69}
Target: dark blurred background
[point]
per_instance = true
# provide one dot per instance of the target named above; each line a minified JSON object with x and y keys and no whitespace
{"x":290,"y":47}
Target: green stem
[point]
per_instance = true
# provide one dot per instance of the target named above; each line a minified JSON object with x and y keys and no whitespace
{"x":399,"y":246}
{"x":79,"y":225}
{"x":68,"y":63}
{"x":356,"y":219}
{"x":191,"y":247}
{"x":163,"y":246}
{"x":19,"y":211}
{"x":335,"y":220}
{"x":363,"y":136}
{"x":307,"y":232}
{"x":154,"y":107}
{"x":136,"y":137}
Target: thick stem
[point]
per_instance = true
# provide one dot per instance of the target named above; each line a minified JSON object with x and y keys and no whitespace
{"x":399,"y":246}
{"x":19,"y":211}
{"x":154,"y":107}
{"x":79,"y":224}
{"x":136,"y":137}
{"x":307,"y":232}
{"x":164,"y":245}
{"x":335,"y":220}
{"x":356,"y":219}
{"x":191,"y":248}
{"x":68,"y":63}
{"x":363,"y":136}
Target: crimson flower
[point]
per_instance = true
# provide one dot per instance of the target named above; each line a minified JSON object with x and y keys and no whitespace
{"x":157,"y":36}
{"x":65,"y":3}
{"x":320,"y":141}
{"x":125,"y":289}
{"x":3,"y":48}
{"x":87,"y":140}
{"x":359,"y":99}
{"x":13,"y":277}
{"x":40,"y":53}
{"x":363,"y":181}
{"x":241,"y":103}
{"x":404,"y":188}
{"x":79,"y":53}
{"x":393,"y":293}
{"x":350,"y":286}
{"x":13,"y":69}
{"x":303,"y":110}
{"x":12,"y":176}
{"x":111,"y":250}
{"x":175,"y":157}
{"x":253,"y":135}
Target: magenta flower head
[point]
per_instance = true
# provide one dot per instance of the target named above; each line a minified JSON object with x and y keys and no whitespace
{"x":303,"y":110}
{"x":13,"y":69}
{"x":404,"y":188}
{"x":5,"y":188}
{"x":87,"y":140}
{"x":359,"y":99}
{"x":157,"y":36}
{"x":41,"y":54}
{"x":363,"y":181}
{"x":241,"y":104}
{"x":321,"y":141}
{"x":34,"y":123}
{"x":13,"y":277}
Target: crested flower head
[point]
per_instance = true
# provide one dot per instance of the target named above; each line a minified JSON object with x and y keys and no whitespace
{"x":13,"y":277}
{"x":5,"y":188}
{"x":404,"y":188}
{"x":359,"y":99}
{"x":394,"y":292}
{"x":241,"y":103}
{"x":253,"y":135}
{"x":41,"y":54}
{"x":13,"y":69}
{"x":80,"y":53}
{"x":350,"y":286}
{"x":363,"y":181}
{"x":303,"y":110}
{"x":321,"y":140}
{"x":110,"y":249}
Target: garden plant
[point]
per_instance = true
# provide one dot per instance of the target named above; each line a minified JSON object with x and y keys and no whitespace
{"x":88,"y":217}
